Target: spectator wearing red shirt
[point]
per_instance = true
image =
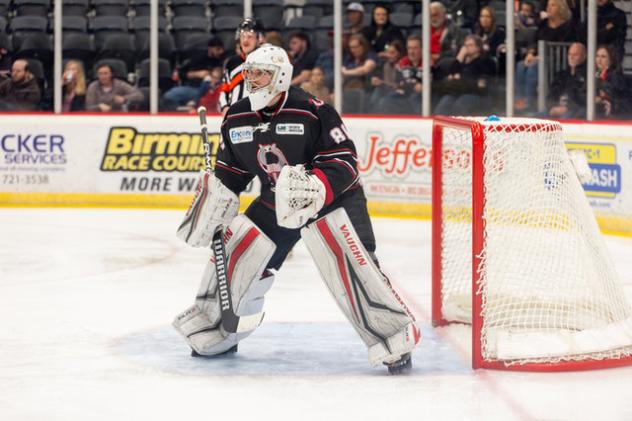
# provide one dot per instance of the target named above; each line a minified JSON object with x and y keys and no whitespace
{"x":445,"y":36}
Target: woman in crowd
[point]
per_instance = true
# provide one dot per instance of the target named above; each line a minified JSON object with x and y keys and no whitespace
{"x":466,"y":88}
{"x":357,"y":69}
{"x":611,"y":99}
{"x":493,"y":36}
{"x":557,"y":27}
{"x":386,"y":81}
{"x":73,"y":87}
{"x":381,"y":32}
{"x":316,"y":85}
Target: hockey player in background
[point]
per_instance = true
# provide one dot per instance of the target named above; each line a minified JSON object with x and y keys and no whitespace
{"x":301,"y":152}
{"x":249,"y":36}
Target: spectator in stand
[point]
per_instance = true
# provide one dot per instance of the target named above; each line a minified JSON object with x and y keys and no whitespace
{"x":493,"y":36}
{"x":21,"y":92}
{"x":406,"y":97}
{"x":355,"y":18}
{"x":316,"y":86}
{"x":610,"y":98}
{"x":192,"y":73}
{"x":5,"y":55}
{"x":325,"y":61}
{"x":303,"y":57}
{"x":210,"y":90}
{"x":275,"y":38}
{"x":359,"y":64}
{"x":381,"y":32}
{"x":386,"y":82}
{"x":525,"y":17}
{"x":557,"y":27}
{"x":468,"y":83}
{"x":110,"y":94}
{"x":567,"y":93}
{"x":445,"y":36}
{"x":612,"y":26}
{"x":357,"y":69}
{"x":73,"y":83}
{"x":572,"y":5}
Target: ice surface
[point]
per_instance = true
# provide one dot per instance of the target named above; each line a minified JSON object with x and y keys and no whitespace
{"x":87,"y":297}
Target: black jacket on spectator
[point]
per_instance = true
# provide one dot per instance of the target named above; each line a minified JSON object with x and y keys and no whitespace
{"x":305,"y":61}
{"x":20,"y":96}
{"x":474,"y":77}
{"x":563,"y":33}
{"x":607,"y":15}
{"x":379,"y":42}
{"x":613,"y":88}
{"x":572,"y":86}
{"x":492,"y":41}
{"x":198,"y":62}
{"x":78,"y":102}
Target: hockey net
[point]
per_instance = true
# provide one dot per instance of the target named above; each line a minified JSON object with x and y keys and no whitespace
{"x":517,"y":251}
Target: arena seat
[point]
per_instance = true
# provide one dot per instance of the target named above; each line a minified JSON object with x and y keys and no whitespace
{"x":75,"y":8}
{"x":222,"y":8}
{"x":111,"y":7}
{"x":79,"y":46}
{"x":37,"y":46}
{"x":142,"y":7}
{"x":183,"y":26}
{"x":120,"y":46}
{"x":189,"y":7}
{"x":164,"y":74}
{"x":31,"y":7}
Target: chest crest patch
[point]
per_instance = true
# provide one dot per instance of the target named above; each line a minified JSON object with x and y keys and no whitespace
{"x":271,"y":160}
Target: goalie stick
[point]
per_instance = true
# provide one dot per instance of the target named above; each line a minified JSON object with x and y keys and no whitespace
{"x":230,"y":322}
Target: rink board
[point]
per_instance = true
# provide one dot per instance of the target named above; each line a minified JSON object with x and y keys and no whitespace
{"x":152,"y":161}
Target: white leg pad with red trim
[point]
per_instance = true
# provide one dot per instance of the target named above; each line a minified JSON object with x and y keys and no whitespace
{"x":361,"y":290}
{"x":248,"y":252}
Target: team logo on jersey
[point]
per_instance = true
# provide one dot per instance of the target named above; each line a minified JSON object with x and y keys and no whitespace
{"x":262,"y":127}
{"x":271,"y":160}
{"x":241,"y":134}
{"x":290,"y":128}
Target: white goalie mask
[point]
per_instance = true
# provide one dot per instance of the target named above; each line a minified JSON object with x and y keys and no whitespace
{"x":267,"y":72}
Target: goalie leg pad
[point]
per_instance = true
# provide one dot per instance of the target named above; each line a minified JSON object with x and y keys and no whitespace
{"x":361,"y":290}
{"x":248,"y":252}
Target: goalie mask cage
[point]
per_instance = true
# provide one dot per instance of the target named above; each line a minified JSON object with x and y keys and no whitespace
{"x":517,"y":252}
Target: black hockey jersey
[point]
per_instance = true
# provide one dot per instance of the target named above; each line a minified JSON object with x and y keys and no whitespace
{"x":300,"y":130}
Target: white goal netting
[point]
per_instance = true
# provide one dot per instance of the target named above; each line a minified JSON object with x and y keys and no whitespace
{"x":549,"y":291}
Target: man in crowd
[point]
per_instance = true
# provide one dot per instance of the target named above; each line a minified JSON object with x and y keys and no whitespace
{"x":445,"y":36}
{"x":303,"y":57}
{"x":21,"y":92}
{"x":567,"y":94}
{"x":355,"y":18}
{"x":193,"y":72}
{"x":406,"y":98}
{"x":110,"y":94}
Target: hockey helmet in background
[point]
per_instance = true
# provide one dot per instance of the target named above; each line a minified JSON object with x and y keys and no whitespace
{"x":273,"y":60}
{"x":250,"y":25}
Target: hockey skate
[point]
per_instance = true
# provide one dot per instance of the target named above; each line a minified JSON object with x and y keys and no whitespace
{"x":229,"y":351}
{"x":402,"y":366}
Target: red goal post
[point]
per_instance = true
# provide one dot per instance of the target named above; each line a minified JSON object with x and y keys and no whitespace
{"x":516,"y":251}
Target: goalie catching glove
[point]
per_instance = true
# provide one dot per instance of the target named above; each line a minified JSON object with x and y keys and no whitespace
{"x":213,"y":205}
{"x":299,"y":196}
